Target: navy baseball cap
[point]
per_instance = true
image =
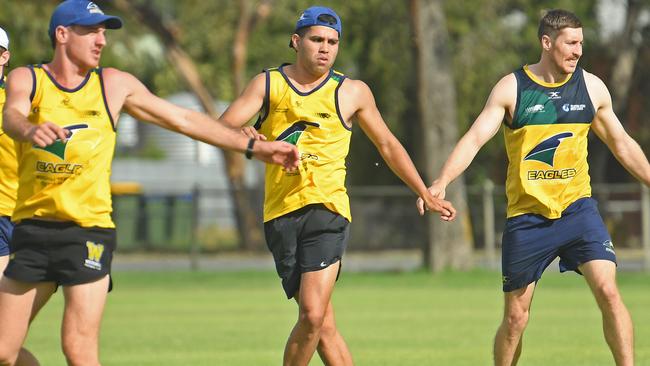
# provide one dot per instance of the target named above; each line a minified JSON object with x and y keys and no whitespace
{"x":81,"y":12}
{"x":319,"y":15}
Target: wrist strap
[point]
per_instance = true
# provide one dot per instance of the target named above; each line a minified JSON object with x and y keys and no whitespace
{"x":249,"y":148}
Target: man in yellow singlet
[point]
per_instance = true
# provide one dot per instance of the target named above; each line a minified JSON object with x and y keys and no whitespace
{"x":8,"y":183}
{"x":307,"y":212}
{"x":548,"y":109}
{"x":62,"y":116}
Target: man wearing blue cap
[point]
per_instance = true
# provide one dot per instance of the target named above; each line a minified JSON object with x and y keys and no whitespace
{"x":307,"y":212}
{"x":62,"y":116}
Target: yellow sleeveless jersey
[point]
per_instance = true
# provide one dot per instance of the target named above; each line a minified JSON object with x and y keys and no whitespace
{"x":68,"y":181}
{"x":8,"y":165}
{"x":311,"y":121}
{"x":547,"y":145}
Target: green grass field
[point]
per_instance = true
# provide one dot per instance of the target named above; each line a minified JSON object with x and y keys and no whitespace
{"x":213,"y":318}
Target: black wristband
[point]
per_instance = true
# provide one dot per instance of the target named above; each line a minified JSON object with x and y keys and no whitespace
{"x":249,"y":148}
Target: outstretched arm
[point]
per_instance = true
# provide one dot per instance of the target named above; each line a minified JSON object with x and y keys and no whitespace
{"x":391,"y":149}
{"x":610,"y":130}
{"x":482,"y":130}
{"x":144,"y":105}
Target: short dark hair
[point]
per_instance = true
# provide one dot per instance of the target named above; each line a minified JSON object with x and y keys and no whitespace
{"x":555,"y":20}
{"x":300,"y":32}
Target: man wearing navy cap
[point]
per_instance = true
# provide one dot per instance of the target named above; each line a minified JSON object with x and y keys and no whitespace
{"x":62,"y":116}
{"x":307,"y":212}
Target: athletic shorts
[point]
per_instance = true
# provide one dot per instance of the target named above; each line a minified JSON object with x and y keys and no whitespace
{"x":6,"y":228}
{"x":531,"y":242}
{"x":306,"y":240}
{"x":60,"y":252}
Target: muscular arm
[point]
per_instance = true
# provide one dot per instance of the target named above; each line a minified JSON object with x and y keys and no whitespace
{"x":242,"y":109}
{"x":482,"y":130}
{"x":389,"y":147}
{"x":16,"y":110}
{"x":143,"y":105}
{"x":610,"y":130}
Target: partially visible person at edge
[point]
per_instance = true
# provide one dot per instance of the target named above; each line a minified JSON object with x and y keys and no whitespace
{"x":549,"y":108}
{"x":307,"y":212}
{"x":62,"y":115}
{"x":8,"y":183}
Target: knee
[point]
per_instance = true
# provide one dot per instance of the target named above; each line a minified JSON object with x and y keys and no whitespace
{"x":8,"y":357}
{"x":516,"y":321}
{"x":77,"y":353}
{"x":312,"y":318}
{"x":328,"y":330}
{"x":607,"y":296}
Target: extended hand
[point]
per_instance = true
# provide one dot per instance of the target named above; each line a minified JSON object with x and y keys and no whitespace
{"x":437,"y":190}
{"x":251,"y":132}
{"x":277,"y":152}
{"x":46,"y":134}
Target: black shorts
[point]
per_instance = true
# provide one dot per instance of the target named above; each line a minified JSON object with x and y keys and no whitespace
{"x":60,"y":252}
{"x":305,"y":240}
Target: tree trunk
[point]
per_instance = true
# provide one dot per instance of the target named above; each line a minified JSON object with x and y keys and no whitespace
{"x":250,"y":235}
{"x":449,"y":244}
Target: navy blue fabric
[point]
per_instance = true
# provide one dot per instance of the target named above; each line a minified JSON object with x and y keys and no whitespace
{"x":532,"y":242}
{"x":6,"y":229}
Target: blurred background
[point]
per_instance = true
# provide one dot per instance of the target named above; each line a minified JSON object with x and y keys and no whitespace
{"x":431,"y":65}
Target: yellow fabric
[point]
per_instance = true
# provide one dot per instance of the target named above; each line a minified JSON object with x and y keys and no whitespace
{"x":68,"y":182}
{"x":8,"y":167}
{"x":533,"y":186}
{"x":322,"y":138}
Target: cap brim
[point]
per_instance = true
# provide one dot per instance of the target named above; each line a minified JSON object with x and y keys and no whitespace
{"x":111,"y":22}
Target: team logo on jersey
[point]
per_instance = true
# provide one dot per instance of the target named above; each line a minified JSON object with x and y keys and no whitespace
{"x":58,"y":147}
{"x":293,"y":133}
{"x":95,"y":252}
{"x":544,"y":152}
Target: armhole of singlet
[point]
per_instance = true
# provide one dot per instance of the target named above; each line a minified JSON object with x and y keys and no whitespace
{"x":267,"y":101}
{"x":33,"y":93}
{"x":100,"y":72}
{"x":336,"y":103}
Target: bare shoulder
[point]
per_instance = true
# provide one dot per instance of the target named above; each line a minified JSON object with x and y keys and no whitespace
{"x":20,"y":77}
{"x":353,"y":88}
{"x":257,"y":84}
{"x":504,"y":92}
{"x":115,"y":76}
{"x":597,"y":89}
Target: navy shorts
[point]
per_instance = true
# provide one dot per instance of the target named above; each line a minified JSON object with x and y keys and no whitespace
{"x":6,"y":228}
{"x":60,"y":252}
{"x":532,"y":242}
{"x":306,"y":240}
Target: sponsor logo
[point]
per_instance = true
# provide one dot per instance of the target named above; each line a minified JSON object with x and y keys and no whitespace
{"x":609,"y":246}
{"x":573,"y":107}
{"x":537,"y":108}
{"x":544,"y":152}
{"x":323,"y":264}
{"x":95,"y":252}
{"x":58,"y":147}
{"x":324,"y":115}
{"x":505,"y":279}
{"x":293,"y":133}
{"x":554,"y":95}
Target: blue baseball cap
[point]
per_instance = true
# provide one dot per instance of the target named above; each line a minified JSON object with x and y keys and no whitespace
{"x":319,"y":15}
{"x":81,"y":12}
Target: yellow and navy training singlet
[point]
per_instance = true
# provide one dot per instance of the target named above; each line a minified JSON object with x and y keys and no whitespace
{"x":311,"y":121}
{"x":68,"y":181}
{"x":547,"y":145}
{"x":8,"y":165}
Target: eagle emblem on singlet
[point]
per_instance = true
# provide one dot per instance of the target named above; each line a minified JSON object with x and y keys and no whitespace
{"x":545,"y":151}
